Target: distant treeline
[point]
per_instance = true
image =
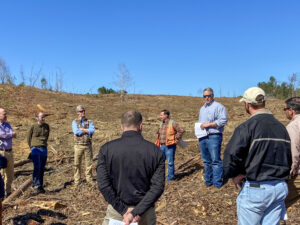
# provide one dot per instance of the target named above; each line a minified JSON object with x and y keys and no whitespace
{"x":281,"y":90}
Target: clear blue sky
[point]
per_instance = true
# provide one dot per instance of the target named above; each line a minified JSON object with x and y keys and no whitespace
{"x":170,"y":47}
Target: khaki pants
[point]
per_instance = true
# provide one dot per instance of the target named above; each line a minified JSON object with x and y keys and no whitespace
{"x":294,"y":191}
{"x":79,"y":151}
{"x":8,"y":172}
{"x":148,"y":218}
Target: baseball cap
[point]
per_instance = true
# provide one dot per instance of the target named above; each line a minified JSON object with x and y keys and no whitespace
{"x":251,"y":94}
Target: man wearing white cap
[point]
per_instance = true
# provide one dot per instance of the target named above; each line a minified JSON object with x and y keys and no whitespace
{"x":258,"y":159}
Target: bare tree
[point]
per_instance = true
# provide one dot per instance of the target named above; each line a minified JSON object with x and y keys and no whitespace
{"x":123,"y":80}
{"x":34,"y":76}
{"x":22,"y":75}
{"x":5,"y":75}
{"x":58,"y":80}
{"x":292,"y":83}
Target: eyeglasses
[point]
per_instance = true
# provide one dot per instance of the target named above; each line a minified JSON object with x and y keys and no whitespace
{"x":285,"y":108}
{"x":207,"y":96}
{"x":82,"y":111}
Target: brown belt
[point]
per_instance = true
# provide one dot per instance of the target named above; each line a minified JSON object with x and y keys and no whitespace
{"x":6,"y":150}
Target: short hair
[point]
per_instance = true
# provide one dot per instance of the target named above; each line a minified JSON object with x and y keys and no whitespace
{"x":293,"y":103}
{"x":79,"y":107}
{"x":261,"y":103}
{"x":131,"y":118}
{"x":209,"y":89}
{"x":166,"y":112}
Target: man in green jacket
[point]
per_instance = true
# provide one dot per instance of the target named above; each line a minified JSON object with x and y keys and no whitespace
{"x":37,"y":140}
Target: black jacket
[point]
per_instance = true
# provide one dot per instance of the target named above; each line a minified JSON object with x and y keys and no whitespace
{"x":3,"y":164}
{"x":131,"y":172}
{"x":260,"y":149}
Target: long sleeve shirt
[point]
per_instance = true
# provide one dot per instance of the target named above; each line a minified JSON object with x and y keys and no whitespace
{"x":79,"y":132}
{"x":38,"y":135}
{"x":213,"y":112}
{"x":293,"y":129}
{"x":6,"y":135}
{"x":259,"y":149}
{"x":131,"y":172}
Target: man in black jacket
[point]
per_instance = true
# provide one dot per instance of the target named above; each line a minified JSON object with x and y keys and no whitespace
{"x":258,"y":159}
{"x":131,"y":174}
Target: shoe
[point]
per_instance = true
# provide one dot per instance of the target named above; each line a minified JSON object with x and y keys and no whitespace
{"x":39,"y":190}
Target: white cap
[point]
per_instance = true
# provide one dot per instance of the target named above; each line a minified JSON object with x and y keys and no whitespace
{"x":251,"y":94}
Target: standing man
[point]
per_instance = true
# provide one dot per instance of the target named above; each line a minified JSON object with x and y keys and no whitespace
{"x":6,"y":136}
{"x":212,"y":118}
{"x":258,"y":159}
{"x":292,"y":112}
{"x":168,"y":135}
{"x":131,"y":174}
{"x":83,"y":130}
{"x":37,"y":140}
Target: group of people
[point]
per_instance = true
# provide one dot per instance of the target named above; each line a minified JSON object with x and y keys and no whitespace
{"x":262,"y":158}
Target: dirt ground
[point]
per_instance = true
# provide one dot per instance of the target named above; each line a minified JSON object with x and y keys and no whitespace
{"x":185,"y":200}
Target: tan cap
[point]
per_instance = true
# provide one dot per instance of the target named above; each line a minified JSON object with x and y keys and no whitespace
{"x":251,"y":94}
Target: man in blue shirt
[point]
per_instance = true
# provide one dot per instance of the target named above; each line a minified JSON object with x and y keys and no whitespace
{"x":83,"y":130}
{"x":212,"y":118}
{"x":6,"y":136}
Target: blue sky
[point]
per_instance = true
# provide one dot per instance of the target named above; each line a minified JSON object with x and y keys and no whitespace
{"x":169,"y":47}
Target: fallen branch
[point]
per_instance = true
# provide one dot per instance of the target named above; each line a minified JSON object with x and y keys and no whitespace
{"x":22,"y":162}
{"x":19,"y":191}
{"x":188,"y":161}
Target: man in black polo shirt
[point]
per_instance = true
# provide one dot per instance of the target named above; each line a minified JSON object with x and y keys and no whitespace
{"x":131,"y":174}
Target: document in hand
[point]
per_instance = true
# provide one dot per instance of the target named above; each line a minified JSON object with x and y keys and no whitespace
{"x":118,"y":222}
{"x":199,"y":132}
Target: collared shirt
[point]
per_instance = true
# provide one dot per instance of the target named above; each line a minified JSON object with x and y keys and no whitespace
{"x":6,"y":135}
{"x":162,"y":131}
{"x":79,"y":132}
{"x":213,"y":112}
{"x":293,"y":129}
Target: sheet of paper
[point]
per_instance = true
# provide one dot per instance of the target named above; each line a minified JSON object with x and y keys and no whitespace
{"x":118,"y":222}
{"x":199,"y":132}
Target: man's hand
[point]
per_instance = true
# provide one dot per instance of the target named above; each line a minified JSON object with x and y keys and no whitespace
{"x":14,"y":135}
{"x":238,"y":180}
{"x":207,"y":125}
{"x":128,"y":217}
{"x":203,"y":125}
{"x":294,"y":172}
{"x":85,"y":131}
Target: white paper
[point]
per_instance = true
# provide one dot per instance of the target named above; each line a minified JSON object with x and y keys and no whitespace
{"x":199,"y":132}
{"x":182,"y":144}
{"x":118,"y":222}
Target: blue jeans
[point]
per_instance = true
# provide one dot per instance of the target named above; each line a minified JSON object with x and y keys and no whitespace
{"x":169,"y":153}
{"x":261,"y":203}
{"x":210,"y":147}
{"x":39,"y":158}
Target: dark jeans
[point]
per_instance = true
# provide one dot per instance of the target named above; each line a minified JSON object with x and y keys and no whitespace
{"x":210,"y":147}
{"x":169,"y":153}
{"x":39,"y":158}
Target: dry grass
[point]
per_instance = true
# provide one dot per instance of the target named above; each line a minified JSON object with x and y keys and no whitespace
{"x":185,"y":200}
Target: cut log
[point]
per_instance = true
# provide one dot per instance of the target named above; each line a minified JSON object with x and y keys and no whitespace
{"x":19,"y":191}
{"x":22,"y":162}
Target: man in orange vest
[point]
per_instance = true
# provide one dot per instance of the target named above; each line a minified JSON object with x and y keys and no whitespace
{"x":168,"y":135}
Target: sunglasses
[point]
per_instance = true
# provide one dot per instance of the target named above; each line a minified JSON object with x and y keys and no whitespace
{"x":207,"y":96}
{"x":286,"y":108}
{"x":81,"y":111}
